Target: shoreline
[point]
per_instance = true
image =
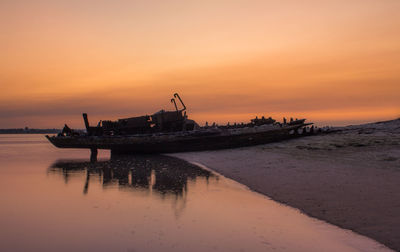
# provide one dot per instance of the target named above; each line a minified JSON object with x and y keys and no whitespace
{"x":348,"y":178}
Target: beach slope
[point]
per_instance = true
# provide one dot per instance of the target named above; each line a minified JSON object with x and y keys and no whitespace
{"x":350,"y":178}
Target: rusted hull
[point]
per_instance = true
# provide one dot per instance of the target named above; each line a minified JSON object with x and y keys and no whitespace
{"x":170,"y":144}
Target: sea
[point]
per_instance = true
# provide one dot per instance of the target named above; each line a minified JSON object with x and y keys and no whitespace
{"x":57,"y":200}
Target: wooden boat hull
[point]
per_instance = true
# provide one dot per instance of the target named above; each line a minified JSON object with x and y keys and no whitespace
{"x":174,"y":143}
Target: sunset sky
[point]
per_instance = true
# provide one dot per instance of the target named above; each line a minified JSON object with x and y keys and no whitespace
{"x":334,"y":62}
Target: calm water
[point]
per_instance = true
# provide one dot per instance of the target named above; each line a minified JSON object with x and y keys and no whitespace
{"x":55,"y":200}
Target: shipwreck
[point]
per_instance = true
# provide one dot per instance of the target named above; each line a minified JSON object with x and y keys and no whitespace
{"x":172,"y":131}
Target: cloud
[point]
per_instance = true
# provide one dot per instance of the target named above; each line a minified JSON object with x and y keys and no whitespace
{"x":259,"y":86}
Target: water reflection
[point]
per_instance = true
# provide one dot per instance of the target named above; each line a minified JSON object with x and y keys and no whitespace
{"x":143,"y":203}
{"x":156,"y":173}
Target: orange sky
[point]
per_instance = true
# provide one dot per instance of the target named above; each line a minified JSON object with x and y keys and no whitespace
{"x":334,"y":62}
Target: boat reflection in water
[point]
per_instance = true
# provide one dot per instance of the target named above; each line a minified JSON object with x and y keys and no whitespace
{"x":144,"y":203}
{"x":163,"y":175}
{"x":161,"y":203}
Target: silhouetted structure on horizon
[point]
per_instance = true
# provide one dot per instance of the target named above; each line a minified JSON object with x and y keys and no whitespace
{"x":173,"y":131}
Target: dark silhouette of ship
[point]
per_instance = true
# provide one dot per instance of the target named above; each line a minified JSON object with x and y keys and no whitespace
{"x":173,"y":131}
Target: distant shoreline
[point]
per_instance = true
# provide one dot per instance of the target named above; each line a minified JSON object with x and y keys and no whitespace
{"x":29,"y":131}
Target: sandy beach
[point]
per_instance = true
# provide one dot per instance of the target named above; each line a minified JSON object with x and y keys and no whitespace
{"x":349,"y":178}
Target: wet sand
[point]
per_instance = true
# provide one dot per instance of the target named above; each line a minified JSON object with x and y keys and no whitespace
{"x":349,"y":178}
{"x":56,"y":200}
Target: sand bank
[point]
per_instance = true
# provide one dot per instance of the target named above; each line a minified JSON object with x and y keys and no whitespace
{"x":349,"y":178}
